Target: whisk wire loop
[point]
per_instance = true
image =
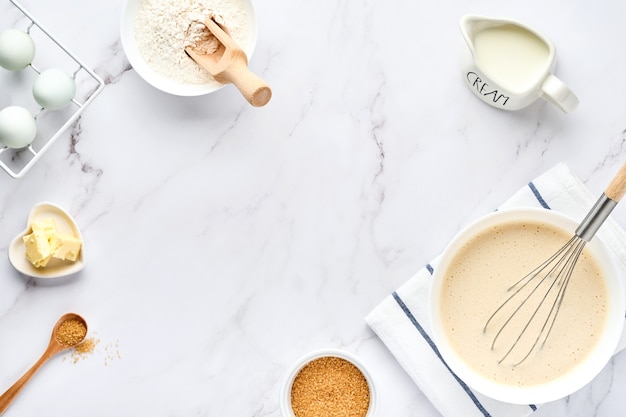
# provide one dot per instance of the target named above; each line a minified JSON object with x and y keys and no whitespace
{"x":554,"y":273}
{"x":552,"y":277}
{"x":572,"y":261}
{"x":521,"y":285}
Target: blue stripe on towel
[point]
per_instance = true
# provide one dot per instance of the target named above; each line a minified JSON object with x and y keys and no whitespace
{"x":432,"y":345}
{"x":420,"y":329}
{"x":543,"y":203}
{"x":538,"y":195}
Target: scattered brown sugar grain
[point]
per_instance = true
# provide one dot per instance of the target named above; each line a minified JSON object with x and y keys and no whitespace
{"x":84,"y":348}
{"x":330,"y":387}
{"x":71,"y":332}
{"x":87,"y":346}
{"x":93,"y":346}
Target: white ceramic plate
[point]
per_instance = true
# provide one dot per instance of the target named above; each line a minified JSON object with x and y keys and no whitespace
{"x":129,"y":43}
{"x":55,"y":268}
{"x":566,"y":384}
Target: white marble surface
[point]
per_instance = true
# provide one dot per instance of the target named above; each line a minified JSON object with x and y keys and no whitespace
{"x":224,"y":241}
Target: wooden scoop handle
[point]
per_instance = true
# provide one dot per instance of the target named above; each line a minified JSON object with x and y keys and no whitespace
{"x":252,"y":87}
{"x":617,"y":188}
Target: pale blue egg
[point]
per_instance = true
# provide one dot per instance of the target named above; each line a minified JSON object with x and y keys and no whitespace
{"x":54,"y":89}
{"x":17,"y":49}
{"x":18,"y":127}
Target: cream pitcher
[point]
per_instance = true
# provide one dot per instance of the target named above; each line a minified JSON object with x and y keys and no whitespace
{"x":508,"y":65}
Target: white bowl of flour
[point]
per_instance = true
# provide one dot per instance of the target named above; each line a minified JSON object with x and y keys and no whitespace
{"x":154,"y":37}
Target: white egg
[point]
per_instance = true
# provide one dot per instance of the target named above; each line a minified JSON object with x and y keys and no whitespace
{"x":18,"y":127}
{"x":17,"y":49}
{"x":54,"y":89}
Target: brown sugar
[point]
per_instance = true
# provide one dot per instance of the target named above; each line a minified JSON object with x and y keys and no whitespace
{"x":71,"y":332}
{"x":94,"y":346}
{"x":330,"y":387}
{"x":85,"y":348}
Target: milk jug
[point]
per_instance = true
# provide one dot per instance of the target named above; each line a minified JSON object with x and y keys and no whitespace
{"x":508,"y":65}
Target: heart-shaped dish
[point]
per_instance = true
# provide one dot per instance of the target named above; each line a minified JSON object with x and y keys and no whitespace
{"x":56,"y":268}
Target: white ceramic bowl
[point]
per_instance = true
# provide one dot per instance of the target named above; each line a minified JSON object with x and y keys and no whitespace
{"x":561,"y":386}
{"x":285,"y":393}
{"x":129,"y":43}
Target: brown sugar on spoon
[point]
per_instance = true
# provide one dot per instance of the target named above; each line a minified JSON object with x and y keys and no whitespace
{"x":71,"y":332}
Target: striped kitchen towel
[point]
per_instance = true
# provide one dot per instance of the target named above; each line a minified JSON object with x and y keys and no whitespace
{"x":401,"y":320}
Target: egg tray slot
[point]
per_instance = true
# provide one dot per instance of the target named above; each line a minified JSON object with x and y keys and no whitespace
{"x":51,"y":124}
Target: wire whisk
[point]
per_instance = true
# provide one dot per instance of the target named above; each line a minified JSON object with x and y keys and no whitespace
{"x":535,"y":299}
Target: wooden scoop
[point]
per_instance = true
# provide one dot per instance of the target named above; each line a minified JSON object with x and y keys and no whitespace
{"x":229,"y":64}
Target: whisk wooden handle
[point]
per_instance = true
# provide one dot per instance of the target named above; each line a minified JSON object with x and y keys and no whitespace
{"x":617,"y":188}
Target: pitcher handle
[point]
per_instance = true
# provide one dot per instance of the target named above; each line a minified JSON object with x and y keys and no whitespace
{"x":559,"y":94}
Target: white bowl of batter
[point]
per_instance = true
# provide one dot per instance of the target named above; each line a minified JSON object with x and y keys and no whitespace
{"x":153,"y":35}
{"x":472,"y":279}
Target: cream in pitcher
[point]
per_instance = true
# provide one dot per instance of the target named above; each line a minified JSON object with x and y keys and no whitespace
{"x":509,"y":65}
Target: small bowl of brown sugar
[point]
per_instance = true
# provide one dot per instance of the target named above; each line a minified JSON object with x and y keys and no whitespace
{"x":329,"y":383}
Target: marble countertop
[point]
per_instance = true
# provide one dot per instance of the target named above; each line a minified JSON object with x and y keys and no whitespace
{"x":225,"y":241}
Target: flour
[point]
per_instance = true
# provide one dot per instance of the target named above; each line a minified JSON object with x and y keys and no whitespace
{"x":163,"y":28}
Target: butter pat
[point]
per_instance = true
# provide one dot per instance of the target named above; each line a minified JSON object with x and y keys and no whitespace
{"x":46,"y":226}
{"x":38,"y":250}
{"x":65,"y":247}
{"x":45,"y":242}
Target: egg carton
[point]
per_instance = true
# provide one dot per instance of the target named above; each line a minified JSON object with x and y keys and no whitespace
{"x":51,"y":124}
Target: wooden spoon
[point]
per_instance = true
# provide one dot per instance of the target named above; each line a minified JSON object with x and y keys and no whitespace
{"x":54,"y":346}
{"x":229,"y":64}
